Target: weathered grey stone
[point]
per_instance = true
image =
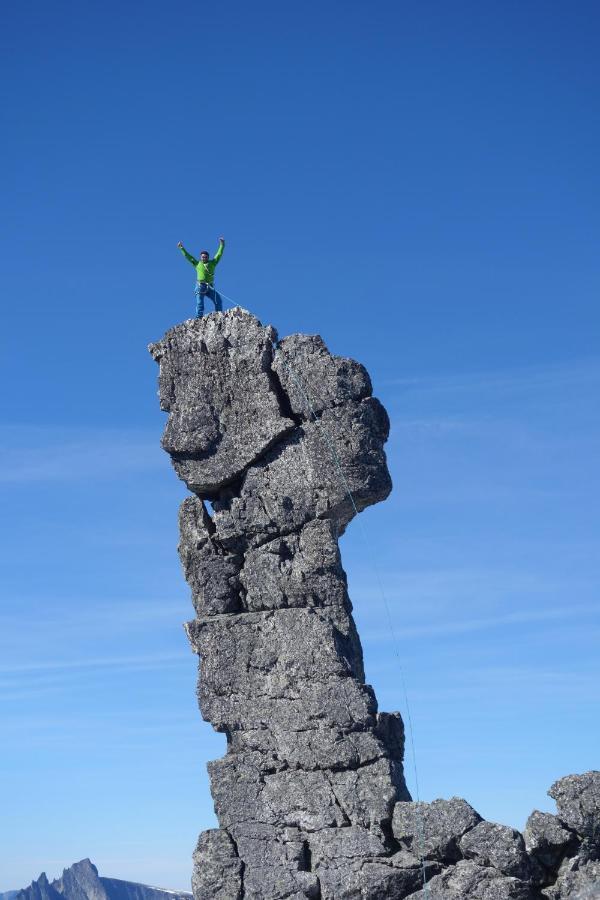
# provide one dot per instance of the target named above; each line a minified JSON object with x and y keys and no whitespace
{"x":368,"y":794}
{"x":322,"y":470}
{"x":313,"y":748}
{"x":547,"y":842}
{"x":339,"y":703}
{"x":353,"y":862}
{"x":311,"y":765}
{"x":325,"y":380}
{"x":499,"y":846}
{"x":433,"y":830}
{"x":381,"y":882}
{"x":468,"y":880}
{"x":390,"y":729}
{"x":260,"y":668}
{"x":270,"y":846}
{"x":366,"y":881}
{"x":576,"y":882}
{"x":222,"y":397}
{"x":336,"y":857}
{"x":282,"y":670}
{"x":253,"y":787}
{"x":299,"y":569}
{"x":344,"y":846}
{"x":277,"y":864}
{"x":211,"y":572}
{"x":218,"y":869}
{"x":578,"y":803}
{"x":279,"y":883}
{"x":395,"y":877}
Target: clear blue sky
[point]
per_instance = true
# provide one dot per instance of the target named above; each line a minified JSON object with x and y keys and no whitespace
{"x":419,"y":183}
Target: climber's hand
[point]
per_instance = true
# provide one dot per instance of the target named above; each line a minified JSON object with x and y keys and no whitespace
{"x":179,"y":244}
{"x":221,"y":240}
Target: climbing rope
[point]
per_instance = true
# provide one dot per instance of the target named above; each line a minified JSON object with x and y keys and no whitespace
{"x":330,"y":445}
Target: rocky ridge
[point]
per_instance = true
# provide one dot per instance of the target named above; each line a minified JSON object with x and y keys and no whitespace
{"x":82,"y":882}
{"x":281,"y":445}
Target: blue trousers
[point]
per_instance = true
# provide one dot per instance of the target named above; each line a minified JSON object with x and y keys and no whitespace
{"x":204,"y":289}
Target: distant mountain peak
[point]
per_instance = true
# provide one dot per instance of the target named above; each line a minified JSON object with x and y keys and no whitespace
{"x":84,"y":865}
{"x":82,"y":882}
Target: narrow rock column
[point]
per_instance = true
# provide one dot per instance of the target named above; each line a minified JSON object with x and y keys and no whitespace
{"x":306,"y":791}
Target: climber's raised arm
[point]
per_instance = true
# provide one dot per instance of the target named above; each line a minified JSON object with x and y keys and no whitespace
{"x":219,"y":252}
{"x":187,"y":255}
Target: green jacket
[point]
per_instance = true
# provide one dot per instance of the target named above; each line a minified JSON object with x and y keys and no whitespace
{"x":204,"y":271}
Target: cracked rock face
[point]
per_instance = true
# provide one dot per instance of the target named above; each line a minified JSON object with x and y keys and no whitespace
{"x":222,"y":397}
{"x":467,"y":879}
{"x":281,"y":445}
{"x":578,"y":803}
{"x":434,"y":830}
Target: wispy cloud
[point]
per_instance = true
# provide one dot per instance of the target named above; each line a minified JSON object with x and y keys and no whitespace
{"x":99,"y":613}
{"x":151,"y":661}
{"x":522,"y":379}
{"x":516,"y":433}
{"x":545,"y":412}
{"x":24,"y":681}
{"x":36,"y":454}
{"x":478,"y":582}
{"x":135,"y":720}
{"x":472,"y":593}
{"x":458,"y":625}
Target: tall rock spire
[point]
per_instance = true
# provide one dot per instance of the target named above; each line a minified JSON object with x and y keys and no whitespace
{"x":281,"y":445}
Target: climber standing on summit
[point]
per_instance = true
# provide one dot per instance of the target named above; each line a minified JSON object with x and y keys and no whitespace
{"x":205,"y":269}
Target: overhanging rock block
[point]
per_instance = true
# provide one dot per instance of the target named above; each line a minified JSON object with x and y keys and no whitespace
{"x":217,"y":385}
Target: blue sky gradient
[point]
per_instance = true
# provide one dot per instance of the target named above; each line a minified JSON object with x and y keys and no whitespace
{"x":418,"y":183}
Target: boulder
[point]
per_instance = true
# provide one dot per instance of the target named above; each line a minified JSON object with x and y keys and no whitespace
{"x":578,"y":803}
{"x":498,"y":846}
{"x":547,"y":842}
{"x":466,"y":879}
{"x":434,"y":830}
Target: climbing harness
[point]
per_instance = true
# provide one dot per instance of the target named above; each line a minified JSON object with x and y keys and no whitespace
{"x":205,"y":289}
